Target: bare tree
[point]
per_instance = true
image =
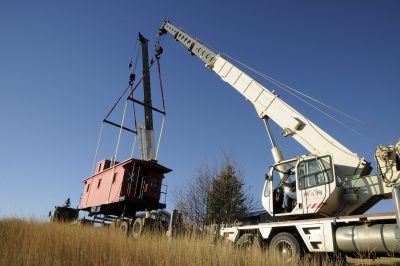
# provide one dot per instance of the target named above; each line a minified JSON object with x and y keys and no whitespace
{"x":192,"y":199}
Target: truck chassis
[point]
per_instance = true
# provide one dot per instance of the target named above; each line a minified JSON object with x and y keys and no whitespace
{"x":351,"y":235}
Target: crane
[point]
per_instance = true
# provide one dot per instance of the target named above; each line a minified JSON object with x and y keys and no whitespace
{"x":333,"y":185}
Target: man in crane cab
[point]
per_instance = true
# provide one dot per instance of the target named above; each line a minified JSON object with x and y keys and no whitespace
{"x":286,"y":182}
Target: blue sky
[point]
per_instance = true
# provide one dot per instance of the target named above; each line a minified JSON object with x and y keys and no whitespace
{"x":63,"y":64}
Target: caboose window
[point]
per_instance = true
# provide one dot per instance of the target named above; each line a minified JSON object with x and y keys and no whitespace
{"x":155,"y":182}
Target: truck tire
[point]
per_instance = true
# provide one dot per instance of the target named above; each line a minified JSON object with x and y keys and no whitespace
{"x":286,"y":247}
{"x":247,"y":241}
{"x":124,"y":226}
{"x":137,"y":228}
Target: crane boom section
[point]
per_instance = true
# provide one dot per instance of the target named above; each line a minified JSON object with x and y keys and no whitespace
{"x":293,"y":123}
{"x":269,"y":105}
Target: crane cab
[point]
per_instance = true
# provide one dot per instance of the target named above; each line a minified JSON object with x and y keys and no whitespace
{"x":309,"y":183}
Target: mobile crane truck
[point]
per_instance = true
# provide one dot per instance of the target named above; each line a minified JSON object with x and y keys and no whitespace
{"x":334,"y":186}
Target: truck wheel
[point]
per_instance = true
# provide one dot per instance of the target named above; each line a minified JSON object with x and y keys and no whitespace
{"x":286,"y":247}
{"x":247,"y":241}
{"x":124,"y":226}
{"x":137,"y":228}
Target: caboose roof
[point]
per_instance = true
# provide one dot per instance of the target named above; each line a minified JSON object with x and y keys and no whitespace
{"x":149,"y":165}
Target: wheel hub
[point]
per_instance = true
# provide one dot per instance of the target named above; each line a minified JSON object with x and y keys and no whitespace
{"x":284,"y":250}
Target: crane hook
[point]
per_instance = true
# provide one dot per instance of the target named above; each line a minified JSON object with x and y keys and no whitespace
{"x":158,"y":51}
{"x":132,"y":78}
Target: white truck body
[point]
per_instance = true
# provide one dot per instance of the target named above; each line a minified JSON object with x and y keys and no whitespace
{"x":322,"y":235}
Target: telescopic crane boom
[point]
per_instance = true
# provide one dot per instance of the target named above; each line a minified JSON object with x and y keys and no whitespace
{"x":269,"y":106}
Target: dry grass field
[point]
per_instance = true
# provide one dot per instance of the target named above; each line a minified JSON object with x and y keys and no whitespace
{"x":37,"y":243}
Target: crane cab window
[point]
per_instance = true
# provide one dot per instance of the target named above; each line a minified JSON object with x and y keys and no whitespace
{"x":315,"y":172}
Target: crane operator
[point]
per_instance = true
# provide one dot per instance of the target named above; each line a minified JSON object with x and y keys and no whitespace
{"x":291,"y":194}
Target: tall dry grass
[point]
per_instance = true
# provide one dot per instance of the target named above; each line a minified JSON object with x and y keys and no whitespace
{"x":38,"y":243}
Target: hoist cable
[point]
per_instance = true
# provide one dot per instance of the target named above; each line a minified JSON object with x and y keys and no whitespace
{"x":132,"y":90}
{"x":134,"y":49}
{"x":136,"y":60}
{"x":136,"y":128}
{"x":142,"y":77}
{"x":333,"y":108}
{"x":328,"y":115}
{"x":161,"y":84}
{"x":133,"y":146}
{"x":290,"y":90}
{"x":303,"y":100}
{"x":97,"y":147}
{"x":163,"y":105}
{"x":120,"y":132}
{"x":281,"y":84}
{"x":116,"y":103}
{"x":159,"y":138}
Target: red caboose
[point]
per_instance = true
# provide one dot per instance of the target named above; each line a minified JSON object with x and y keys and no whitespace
{"x":124,"y":188}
